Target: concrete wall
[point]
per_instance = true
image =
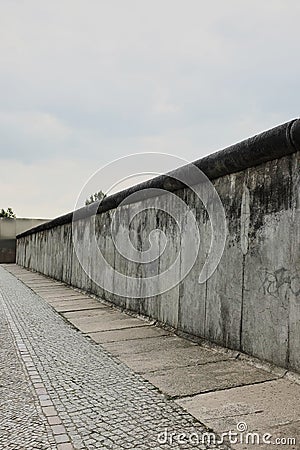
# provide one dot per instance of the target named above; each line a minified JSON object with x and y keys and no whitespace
{"x":9,"y":228}
{"x":252,"y":301}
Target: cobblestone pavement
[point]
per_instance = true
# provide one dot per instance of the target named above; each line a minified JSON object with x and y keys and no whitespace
{"x":22,"y":423}
{"x":58,"y":386}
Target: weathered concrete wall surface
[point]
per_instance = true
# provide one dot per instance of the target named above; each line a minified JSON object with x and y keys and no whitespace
{"x":252,"y":301}
{"x":9,"y":228}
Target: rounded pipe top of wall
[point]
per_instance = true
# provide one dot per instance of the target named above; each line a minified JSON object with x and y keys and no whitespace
{"x":295,"y":134}
{"x":271,"y":144}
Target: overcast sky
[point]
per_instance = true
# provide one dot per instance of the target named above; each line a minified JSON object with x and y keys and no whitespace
{"x":83,"y":82}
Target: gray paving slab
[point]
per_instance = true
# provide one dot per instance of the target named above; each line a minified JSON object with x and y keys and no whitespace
{"x":99,"y":314}
{"x":46,"y":284}
{"x":146,"y":331}
{"x":219,"y":375}
{"x":110,"y":322}
{"x":39,"y":281}
{"x":53,"y":293}
{"x":168,"y":359}
{"x":53,"y":288}
{"x":43,"y":284}
{"x":66,"y":298}
{"x":80,"y":305}
{"x":135,"y":346}
{"x":272,"y":407}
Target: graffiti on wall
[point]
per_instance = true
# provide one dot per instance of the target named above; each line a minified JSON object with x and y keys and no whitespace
{"x":281,"y":281}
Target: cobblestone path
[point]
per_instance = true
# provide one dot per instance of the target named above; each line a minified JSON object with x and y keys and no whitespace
{"x":61,"y":391}
{"x":22,"y":423}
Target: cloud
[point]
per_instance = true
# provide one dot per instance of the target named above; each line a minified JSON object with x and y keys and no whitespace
{"x":90,"y":82}
{"x":41,"y":189}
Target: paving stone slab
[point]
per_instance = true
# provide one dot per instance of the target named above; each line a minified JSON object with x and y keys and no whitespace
{"x":80,"y":305}
{"x":52,"y":292}
{"x":135,"y":346}
{"x":98,"y":314}
{"x":168,"y":359}
{"x":43,"y":284}
{"x":146,"y":331}
{"x":67,"y":298}
{"x":272,"y":407}
{"x":109,"y":322}
{"x":207,"y":377}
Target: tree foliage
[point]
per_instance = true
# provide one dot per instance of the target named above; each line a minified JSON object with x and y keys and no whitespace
{"x":9,"y":214}
{"x":97,"y":197}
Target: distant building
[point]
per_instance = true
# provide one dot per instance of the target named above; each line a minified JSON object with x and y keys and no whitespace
{"x":9,"y":229}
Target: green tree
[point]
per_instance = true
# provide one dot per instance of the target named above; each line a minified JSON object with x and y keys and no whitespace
{"x":9,"y":214}
{"x":97,"y":197}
